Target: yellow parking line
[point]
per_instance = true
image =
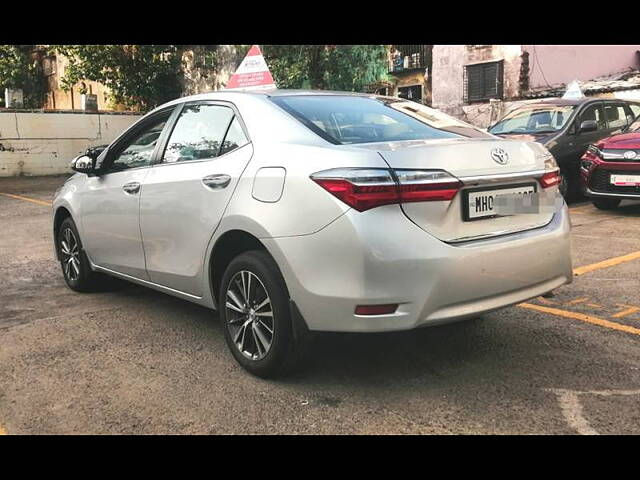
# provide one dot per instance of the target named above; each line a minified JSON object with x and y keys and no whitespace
{"x":582,"y":317}
{"x":606,"y":263}
{"x":626,"y":312}
{"x":26,"y":199}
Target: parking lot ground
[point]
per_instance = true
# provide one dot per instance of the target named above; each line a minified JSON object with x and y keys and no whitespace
{"x":133,"y":360}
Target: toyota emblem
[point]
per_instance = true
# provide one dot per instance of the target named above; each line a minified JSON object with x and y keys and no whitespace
{"x":500,"y":156}
{"x":630,"y":154}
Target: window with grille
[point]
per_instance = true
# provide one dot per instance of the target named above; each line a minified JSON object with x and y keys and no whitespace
{"x":483,"y":81}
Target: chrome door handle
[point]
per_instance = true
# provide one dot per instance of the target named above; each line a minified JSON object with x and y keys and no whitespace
{"x":131,"y":188}
{"x":216,"y":182}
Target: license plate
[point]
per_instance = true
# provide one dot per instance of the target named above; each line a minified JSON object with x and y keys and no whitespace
{"x":489,"y":203}
{"x":625,"y":180}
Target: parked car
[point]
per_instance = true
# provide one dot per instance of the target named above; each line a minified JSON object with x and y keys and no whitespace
{"x":610,"y":169}
{"x":567,"y":128}
{"x":292,"y":212}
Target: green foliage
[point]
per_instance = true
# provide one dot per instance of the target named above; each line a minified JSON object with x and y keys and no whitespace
{"x":138,"y":76}
{"x":332,"y":67}
{"x":19,"y":70}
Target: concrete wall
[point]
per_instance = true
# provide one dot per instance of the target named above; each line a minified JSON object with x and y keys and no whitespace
{"x":554,"y":64}
{"x":448,"y":72}
{"x":43,"y":143}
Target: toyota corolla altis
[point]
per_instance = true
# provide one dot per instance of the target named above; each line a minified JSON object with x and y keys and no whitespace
{"x":292,"y":212}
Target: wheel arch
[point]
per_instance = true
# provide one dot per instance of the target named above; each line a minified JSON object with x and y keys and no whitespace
{"x":228,"y":246}
{"x":61,"y":214}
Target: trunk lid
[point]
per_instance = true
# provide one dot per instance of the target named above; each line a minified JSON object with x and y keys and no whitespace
{"x":471,"y":161}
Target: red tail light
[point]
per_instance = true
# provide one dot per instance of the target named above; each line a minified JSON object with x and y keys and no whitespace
{"x":550,"y":179}
{"x":366,"y":188}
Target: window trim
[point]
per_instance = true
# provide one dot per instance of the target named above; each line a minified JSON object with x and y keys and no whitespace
{"x":157,"y":159}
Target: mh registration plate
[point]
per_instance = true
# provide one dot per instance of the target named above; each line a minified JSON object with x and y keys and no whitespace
{"x":626,"y":180}
{"x":489,"y":203}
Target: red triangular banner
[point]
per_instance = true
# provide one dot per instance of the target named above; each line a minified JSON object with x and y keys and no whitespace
{"x":252,"y":74}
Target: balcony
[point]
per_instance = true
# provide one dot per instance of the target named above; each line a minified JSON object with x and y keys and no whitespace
{"x":405,"y":58}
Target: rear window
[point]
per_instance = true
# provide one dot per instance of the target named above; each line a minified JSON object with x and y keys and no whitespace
{"x":348,"y":119}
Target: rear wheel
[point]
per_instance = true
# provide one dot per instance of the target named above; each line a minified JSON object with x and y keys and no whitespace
{"x":606,"y":203}
{"x":254,"y":310}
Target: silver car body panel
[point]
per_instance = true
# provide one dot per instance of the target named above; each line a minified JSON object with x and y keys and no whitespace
{"x":332,"y":257}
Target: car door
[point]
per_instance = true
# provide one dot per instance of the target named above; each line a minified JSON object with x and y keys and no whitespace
{"x":187,"y":191}
{"x":111,"y":200}
{"x":574,"y":143}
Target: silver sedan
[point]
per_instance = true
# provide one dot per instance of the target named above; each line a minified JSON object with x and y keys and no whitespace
{"x":292,"y":212}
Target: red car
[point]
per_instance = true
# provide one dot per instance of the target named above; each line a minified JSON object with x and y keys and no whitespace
{"x":610,"y":168}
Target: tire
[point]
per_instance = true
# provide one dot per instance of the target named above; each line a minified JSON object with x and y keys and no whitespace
{"x":77,"y":273}
{"x":606,"y":203}
{"x":263,"y":345}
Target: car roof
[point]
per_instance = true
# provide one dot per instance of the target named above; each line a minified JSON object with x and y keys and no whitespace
{"x":574,"y":101}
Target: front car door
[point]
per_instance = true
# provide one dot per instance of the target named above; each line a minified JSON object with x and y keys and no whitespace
{"x":111,"y":200}
{"x":187,"y":191}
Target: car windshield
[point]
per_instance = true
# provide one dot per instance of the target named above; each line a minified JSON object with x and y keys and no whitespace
{"x":534,"y":119}
{"x":351,"y":119}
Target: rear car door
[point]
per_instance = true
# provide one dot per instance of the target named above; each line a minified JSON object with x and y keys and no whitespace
{"x":187,"y":191}
{"x":111,"y":200}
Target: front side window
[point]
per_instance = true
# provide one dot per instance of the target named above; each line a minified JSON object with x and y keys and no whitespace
{"x":593,"y":112}
{"x":534,"y":119}
{"x":635,"y":126}
{"x":616,"y":116}
{"x":199,"y":133}
{"x":354,"y":119}
{"x":138,"y":150}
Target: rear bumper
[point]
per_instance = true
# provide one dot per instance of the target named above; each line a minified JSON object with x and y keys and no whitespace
{"x":623,"y":196}
{"x":380,"y":257}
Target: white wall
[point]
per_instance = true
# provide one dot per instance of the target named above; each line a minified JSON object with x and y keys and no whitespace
{"x":42,"y":143}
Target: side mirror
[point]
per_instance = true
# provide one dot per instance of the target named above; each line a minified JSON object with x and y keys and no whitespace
{"x":83,"y":164}
{"x":588,"y":126}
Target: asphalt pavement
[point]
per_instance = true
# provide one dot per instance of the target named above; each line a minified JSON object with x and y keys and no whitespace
{"x":136,"y":361}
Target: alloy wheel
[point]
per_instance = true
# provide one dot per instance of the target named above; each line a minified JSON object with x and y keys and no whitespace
{"x":70,"y":251}
{"x":249,"y":315}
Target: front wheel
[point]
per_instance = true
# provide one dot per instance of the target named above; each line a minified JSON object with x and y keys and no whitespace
{"x":606,"y":203}
{"x":73,"y":260}
{"x":255,"y":315}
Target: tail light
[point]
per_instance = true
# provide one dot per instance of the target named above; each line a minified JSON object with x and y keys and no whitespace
{"x":550,"y":179}
{"x":366,"y":188}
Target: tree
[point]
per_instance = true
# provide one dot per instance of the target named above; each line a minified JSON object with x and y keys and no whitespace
{"x":138,"y":76}
{"x":19,"y":70}
{"x":333,"y":67}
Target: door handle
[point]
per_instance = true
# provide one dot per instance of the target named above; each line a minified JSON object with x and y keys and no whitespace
{"x":217,"y":181}
{"x":131,"y":188}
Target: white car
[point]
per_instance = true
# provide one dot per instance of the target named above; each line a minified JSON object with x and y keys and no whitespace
{"x":300,"y":211}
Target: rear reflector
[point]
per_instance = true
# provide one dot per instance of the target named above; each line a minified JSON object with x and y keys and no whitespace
{"x":366,"y":188}
{"x":376,"y":309}
{"x":550,"y":179}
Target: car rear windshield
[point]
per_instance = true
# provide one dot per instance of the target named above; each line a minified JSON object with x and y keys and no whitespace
{"x":354,"y":119}
{"x":534,"y":119}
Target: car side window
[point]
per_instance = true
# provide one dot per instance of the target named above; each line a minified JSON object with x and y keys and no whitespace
{"x":615,"y":115}
{"x":138,"y":150}
{"x":235,"y":137}
{"x":198,"y":133}
{"x":635,"y":108}
{"x":594,"y":112}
